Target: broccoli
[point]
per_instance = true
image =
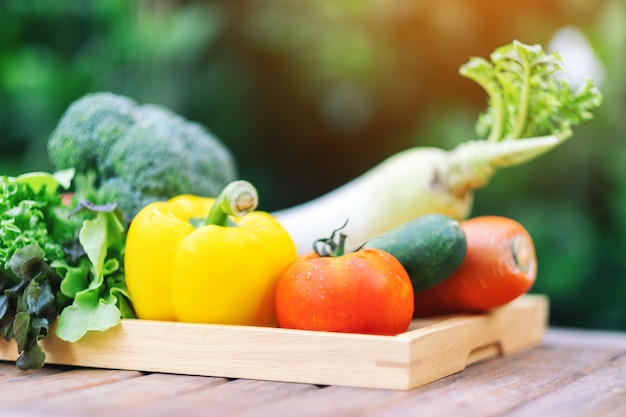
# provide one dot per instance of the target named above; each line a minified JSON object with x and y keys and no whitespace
{"x":136,"y":154}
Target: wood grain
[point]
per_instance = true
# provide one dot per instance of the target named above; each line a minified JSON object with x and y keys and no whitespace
{"x":600,"y":393}
{"x":572,"y":373}
{"x":54,"y":384}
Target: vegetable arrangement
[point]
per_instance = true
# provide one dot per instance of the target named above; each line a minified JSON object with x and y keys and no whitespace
{"x":530,"y":112}
{"x":145,"y":237}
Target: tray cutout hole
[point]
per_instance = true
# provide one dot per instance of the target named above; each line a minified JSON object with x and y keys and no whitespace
{"x":487,"y":351}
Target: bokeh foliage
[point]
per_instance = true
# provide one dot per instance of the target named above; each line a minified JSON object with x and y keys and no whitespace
{"x":309,"y":94}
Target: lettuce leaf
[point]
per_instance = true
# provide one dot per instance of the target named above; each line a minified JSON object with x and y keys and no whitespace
{"x":101,"y":300}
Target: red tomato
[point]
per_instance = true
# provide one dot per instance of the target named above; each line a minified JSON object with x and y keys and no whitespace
{"x":367,"y":291}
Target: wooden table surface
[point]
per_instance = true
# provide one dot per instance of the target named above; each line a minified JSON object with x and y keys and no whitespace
{"x":572,"y":373}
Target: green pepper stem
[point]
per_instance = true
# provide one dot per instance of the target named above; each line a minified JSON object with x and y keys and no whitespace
{"x":237,"y":199}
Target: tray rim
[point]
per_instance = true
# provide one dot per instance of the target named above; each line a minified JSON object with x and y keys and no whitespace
{"x":403,"y":361}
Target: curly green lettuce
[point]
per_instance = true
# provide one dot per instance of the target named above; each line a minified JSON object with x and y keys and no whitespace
{"x":57,"y":264}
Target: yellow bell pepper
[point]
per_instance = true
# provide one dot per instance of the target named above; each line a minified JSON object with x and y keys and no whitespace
{"x":223,"y":271}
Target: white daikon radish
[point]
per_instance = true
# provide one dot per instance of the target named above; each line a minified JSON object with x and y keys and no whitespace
{"x":530,"y":112}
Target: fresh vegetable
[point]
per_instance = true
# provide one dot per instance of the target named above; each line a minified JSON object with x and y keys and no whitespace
{"x":364,"y":291}
{"x":429,"y":247}
{"x":56,"y":263}
{"x":224,"y":271}
{"x":93,"y":274}
{"x":500,"y":265}
{"x":530,"y":112}
{"x":132,"y":154}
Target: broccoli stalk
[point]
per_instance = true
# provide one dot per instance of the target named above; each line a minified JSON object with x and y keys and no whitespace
{"x":133,"y":154}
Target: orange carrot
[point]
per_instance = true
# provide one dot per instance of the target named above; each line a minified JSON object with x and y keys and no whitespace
{"x":500,"y":265}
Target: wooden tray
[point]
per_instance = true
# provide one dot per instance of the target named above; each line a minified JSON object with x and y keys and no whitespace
{"x":429,"y":350}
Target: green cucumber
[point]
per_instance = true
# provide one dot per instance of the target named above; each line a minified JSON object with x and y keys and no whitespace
{"x":430,"y":247}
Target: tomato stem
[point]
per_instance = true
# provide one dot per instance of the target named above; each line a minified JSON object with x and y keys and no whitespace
{"x":331,"y":246}
{"x":236,"y":199}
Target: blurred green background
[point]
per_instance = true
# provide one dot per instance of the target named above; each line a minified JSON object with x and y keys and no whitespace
{"x":311,"y":93}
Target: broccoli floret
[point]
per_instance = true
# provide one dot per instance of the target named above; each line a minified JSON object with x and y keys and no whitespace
{"x":140,"y":153}
{"x":89,"y":127}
